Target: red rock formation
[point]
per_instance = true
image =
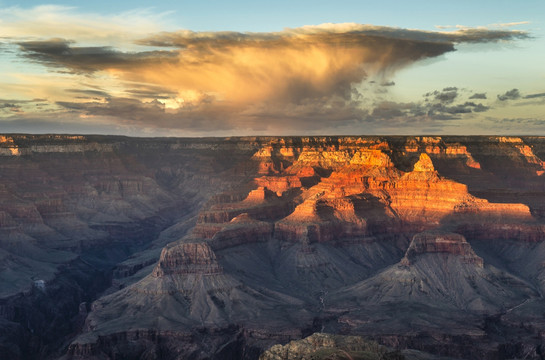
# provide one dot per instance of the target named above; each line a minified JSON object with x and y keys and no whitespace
{"x":279,"y":184}
{"x":259,"y":196}
{"x":8,"y":147}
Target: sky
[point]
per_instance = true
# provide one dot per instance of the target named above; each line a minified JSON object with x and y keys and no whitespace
{"x":218,"y":68}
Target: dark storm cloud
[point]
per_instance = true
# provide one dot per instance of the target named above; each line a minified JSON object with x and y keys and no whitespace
{"x":513,"y":94}
{"x":446,"y":96}
{"x":478,"y":96}
{"x":478,"y":107}
{"x":441,"y":111}
{"x":61,"y":53}
{"x":389,"y":83}
{"x":534,"y":96}
{"x":437,"y":106}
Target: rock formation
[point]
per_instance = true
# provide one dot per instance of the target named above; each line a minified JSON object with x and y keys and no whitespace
{"x":322,"y":346}
{"x":441,"y":269}
{"x":442,"y":243}
{"x":426,"y":243}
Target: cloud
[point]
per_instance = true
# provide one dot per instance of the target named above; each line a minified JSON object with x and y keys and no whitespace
{"x":60,"y":53}
{"x":441,"y":111}
{"x":388,"y":83}
{"x":346,"y":33}
{"x":204,"y":114}
{"x":510,"y":24}
{"x":94,"y":93}
{"x":230,"y":80}
{"x":533,"y":96}
{"x":53,"y":21}
{"x":491,"y":26}
{"x":513,"y":94}
{"x":146,"y":91}
{"x":10,"y":108}
{"x":447,"y":96}
{"x":477,"y":107}
{"x":15,"y":107}
{"x":9,"y":105}
{"x":247,"y":66}
{"x":436,"y":108}
{"x":478,"y":96}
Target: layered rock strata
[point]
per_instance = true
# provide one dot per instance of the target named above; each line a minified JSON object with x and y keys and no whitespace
{"x":428,"y":243}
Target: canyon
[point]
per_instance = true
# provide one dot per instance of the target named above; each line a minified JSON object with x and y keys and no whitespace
{"x":220,"y":248}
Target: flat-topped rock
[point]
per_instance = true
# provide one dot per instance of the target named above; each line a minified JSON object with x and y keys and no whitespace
{"x":187,"y":258}
{"x":441,"y":242}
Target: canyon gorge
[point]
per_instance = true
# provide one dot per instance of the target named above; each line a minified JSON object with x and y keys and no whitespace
{"x":408,"y":247}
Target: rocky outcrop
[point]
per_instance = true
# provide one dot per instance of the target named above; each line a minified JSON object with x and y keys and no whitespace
{"x":441,"y":243}
{"x":330,"y":346}
{"x":8,"y":146}
{"x":187,"y":258}
{"x":327,"y":346}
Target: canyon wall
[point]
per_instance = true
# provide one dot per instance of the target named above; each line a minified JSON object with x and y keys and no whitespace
{"x":426,"y":243}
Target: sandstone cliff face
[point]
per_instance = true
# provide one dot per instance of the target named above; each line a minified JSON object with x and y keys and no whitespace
{"x":249,"y":241}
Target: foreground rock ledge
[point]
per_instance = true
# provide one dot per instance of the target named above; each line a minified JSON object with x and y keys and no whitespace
{"x":320,"y":346}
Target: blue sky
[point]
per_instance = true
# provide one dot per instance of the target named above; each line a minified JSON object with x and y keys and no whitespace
{"x":217,"y":15}
{"x":413,"y":103}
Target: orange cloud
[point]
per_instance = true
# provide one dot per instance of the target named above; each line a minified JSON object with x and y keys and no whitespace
{"x":283,"y":69}
{"x":243,"y":80}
